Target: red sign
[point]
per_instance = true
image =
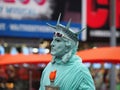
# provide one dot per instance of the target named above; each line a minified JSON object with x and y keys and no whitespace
{"x":98,"y":17}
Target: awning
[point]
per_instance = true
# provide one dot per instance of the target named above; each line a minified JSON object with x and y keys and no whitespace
{"x":103,"y":54}
{"x":21,"y":58}
{"x":97,"y":55}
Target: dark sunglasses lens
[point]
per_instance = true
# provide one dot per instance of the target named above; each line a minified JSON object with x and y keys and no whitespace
{"x":57,"y":34}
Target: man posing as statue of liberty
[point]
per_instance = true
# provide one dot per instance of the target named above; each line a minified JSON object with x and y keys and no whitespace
{"x":71,"y":73}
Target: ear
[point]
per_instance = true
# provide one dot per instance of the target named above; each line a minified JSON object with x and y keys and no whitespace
{"x":68,"y":43}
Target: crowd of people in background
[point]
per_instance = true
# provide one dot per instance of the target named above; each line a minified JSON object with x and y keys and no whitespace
{"x":18,"y":77}
{"x":42,"y":48}
{"x":101,"y":77}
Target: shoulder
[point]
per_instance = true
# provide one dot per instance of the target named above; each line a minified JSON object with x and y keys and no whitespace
{"x":79,"y":65}
{"x":47,"y":67}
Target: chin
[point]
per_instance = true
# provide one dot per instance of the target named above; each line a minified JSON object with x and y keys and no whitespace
{"x":52,"y":53}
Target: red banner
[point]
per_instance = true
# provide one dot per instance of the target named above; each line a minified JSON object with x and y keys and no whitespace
{"x":98,"y":18}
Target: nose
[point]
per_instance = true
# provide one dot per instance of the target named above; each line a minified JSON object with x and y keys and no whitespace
{"x":52,"y":43}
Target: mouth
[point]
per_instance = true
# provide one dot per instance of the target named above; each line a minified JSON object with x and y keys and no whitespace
{"x":52,"y":48}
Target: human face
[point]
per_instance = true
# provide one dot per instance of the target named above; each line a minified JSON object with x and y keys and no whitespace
{"x":58,"y":47}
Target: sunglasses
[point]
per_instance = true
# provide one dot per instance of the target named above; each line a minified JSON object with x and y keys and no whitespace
{"x":60,"y":35}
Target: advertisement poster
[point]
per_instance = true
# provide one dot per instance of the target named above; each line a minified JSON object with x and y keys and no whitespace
{"x":26,"y":9}
{"x":28,"y":18}
{"x":98,"y":20}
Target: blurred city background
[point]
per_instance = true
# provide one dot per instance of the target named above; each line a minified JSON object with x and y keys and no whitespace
{"x":23,"y":30}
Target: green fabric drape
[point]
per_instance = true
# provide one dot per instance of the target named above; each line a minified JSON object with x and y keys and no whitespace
{"x":73,"y":75}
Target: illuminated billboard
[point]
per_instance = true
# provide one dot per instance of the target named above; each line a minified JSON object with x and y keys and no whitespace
{"x":98,"y":20}
{"x":25,"y":9}
{"x":27,"y":18}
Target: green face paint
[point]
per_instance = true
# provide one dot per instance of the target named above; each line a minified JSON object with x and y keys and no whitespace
{"x":58,"y":47}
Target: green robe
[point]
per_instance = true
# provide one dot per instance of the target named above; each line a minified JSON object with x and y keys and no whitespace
{"x":73,"y":75}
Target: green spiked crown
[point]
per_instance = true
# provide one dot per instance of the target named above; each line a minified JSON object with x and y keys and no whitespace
{"x":66,"y":31}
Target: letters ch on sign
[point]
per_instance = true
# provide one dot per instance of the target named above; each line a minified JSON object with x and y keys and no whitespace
{"x":97,"y":16}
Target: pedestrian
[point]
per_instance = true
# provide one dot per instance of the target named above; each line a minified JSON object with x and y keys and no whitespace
{"x":71,"y":73}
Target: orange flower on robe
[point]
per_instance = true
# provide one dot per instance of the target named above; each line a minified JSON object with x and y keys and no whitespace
{"x":52,"y":75}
